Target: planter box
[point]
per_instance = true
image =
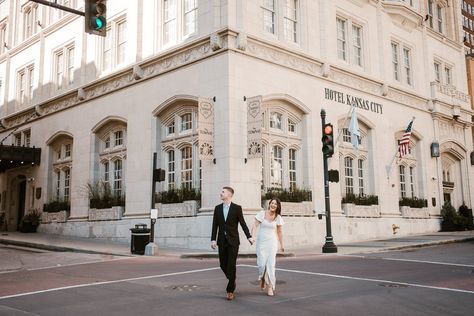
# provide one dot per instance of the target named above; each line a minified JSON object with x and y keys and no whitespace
{"x":186,"y":208}
{"x":27,"y":227}
{"x":411,"y":212}
{"x":304,"y":208}
{"x":352,"y":210}
{"x":54,"y":217}
{"x":106,"y":214}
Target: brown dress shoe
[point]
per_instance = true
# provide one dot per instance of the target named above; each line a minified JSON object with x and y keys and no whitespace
{"x":230,"y":296}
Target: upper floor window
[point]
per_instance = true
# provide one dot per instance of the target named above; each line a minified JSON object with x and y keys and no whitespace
{"x":290,"y":20}
{"x":22,"y":138}
{"x":29,"y":20}
{"x":179,"y":20}
{"x":435,"y":15}
{"x":443,"y":72}
{"x":3,"y":37}
{"x":437,"y":71}
{"x":275,"y":120}
{"x":269,"y":15}
{"x":448,"y":75}
{"x":25,"y":81}
{"x":401,"y":63}
{"x":350,"y":41}
{"x":114,"y":45}
{"x":186,"y":122}
{"x":64,"y":66}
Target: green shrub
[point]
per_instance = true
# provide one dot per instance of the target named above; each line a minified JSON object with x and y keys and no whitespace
{"x":413,"y":202}
{"x":285,"y":195}
{"x":56,"y":206}
{"x":33,"y":216}
{"x":452,"y":220}
{"x":101,"y":196}
{"x":178,"y":195}
{"x":361,"y":199}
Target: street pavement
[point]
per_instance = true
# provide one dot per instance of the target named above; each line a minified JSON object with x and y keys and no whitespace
{"x":107,"y":247}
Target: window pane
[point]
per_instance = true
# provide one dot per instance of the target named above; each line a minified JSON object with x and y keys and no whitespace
{"x":186,"y":167}
{"x":171,"y":170}
{"x":121,"y":41}
{"x":276,"y":168}
{"x":349,"y":178}
{"x":341,"y":39}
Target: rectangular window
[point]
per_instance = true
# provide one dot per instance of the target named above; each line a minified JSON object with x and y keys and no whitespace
{"x":58,"y":185}
{"x":277,"y":167}
{"x":349,"y":177}
{"x":360,"y":165}
{"x":190,"y":17}
{"x":341,"y":39}
{"x":291,"y":126}
{"x":67,"y":180}
{"x":407,"y":65}
{"x":439,"y":12}
{"x":67,"y":150}
{"x":448,"y":76}
{"x":3,"y":38}
{"x":29,"y":21}
{"x":170,"y":21}
{"x":269,"y":13}
{"x":171,"y":170}
{"x":70,"y":65}
{"x":430,"y":13}
{"x":437,"y":70}
{"x":403,"y":191}
{"x":275,"y":120}
{"x":187,"y":167}
{"x":346,"y":135}
{"x":171,"y":129}
{"x":17,"y":139}
{"x":107,"y":52}
{"x":106,"y":172}
{"x":395,"y":62}
{"x":27,"y":138}
{"x":292,"y":168}
{"x":290,"y":20}
{"x":121,"y":41}
{"x":118,"y":135}
{"x":186,"y":122}
{"x":59,"y":69}
{"x":357,"y":44}
{"x":412,"y":182}
{"x":22,"y":87}
{"x":118,"y":178}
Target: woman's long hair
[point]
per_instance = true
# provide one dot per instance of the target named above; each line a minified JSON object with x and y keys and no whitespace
{"x":278,"y":210}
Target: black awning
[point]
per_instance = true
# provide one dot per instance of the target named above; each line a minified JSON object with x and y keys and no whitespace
{"x":18,"y":156}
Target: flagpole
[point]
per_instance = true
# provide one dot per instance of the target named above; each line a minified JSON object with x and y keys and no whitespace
{"x":389,"y":167}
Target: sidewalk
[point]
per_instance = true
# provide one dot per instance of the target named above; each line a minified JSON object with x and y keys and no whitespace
{"x":89,"y":245}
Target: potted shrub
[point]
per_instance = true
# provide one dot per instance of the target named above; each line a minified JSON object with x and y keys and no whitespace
{"x":294,"y":201}
{"x":56,"y":211}
{"x":178,"y":202}
{"x":452,"y":220}
{"x":30,"y":221}
{"x":103,"y":203}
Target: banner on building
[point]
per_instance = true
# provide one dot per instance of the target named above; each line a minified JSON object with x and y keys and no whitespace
{"x":254,"y":127}
{"x":206,"y":128}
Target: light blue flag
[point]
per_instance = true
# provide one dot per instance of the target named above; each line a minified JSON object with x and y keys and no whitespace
{"x":354,"y":130}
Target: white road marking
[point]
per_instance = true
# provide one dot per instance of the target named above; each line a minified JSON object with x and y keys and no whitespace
{"x":77,"y":264}
{"x":108,"y":282}
{"x":414,"y":260}
{"x":368,"y":280}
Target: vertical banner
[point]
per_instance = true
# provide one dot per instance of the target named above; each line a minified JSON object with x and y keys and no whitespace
{"x":254,"y":127}
{"x":206,"y":128}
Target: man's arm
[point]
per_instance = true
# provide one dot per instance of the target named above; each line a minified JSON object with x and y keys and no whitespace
{"x":214,"y":229}
{"x":242,"y":223}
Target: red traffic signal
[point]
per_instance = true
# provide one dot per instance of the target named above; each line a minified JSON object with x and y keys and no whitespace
{"x":328,"y":140}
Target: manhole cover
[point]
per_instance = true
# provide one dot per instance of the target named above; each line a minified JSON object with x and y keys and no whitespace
{"x":393,"y":285}
{"x":184,"y":287}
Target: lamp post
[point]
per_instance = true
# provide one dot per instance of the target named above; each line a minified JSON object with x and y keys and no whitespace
{"x":329,"y":246}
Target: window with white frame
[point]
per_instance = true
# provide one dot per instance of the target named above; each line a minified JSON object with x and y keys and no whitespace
{"x":269,"y":16}
{"x":291,"y":20}
{"x":348,"y":175}
{"x":436,"y":15}
{"x":448,"y":75}
{"x":179,"y":20}
{"x":22,"y":138}
{"x":56,"y":14}
{"x":178,"y":130}
{"x":350,"y":41}
{"x":282,"y":143}
{"x":408,"y":169}
{"x":61,"y":151}
{"x":114,"y":45}
{"x":443,"y":72}
{"x":3,"y":36}
{"x":64,"y":67}
{"x":402,"y":63}
{"x":25,"y":83}
{"x":112,"y":151}
{"x":30,"y":18}
{"x":437,"y":71}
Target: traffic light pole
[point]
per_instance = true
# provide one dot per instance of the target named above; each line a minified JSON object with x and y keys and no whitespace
{"x":329,"y":246}
{"x":153,"y":186}
{"x":58,"y":6}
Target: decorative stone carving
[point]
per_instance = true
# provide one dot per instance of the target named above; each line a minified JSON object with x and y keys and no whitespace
{"x":241,"y":41}
{"x":55,"y":217}
{"x":186,"y":208}
{"x":81,"y":94}
{"x":215,"y":41}
{"x":106,"y":214}
{"x":352,"y":210}
{"x":137,"y":72}
{"x":326,"y":70}
{"x":384,"y":89}
{"x":294,"y":208}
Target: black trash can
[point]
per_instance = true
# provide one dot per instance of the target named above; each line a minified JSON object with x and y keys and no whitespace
{"x":140,"y":238}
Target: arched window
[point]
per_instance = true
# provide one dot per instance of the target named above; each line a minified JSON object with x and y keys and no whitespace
{"x":408,"y":170}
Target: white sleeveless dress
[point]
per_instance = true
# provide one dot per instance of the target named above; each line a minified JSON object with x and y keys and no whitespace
{"x":267,"y":246}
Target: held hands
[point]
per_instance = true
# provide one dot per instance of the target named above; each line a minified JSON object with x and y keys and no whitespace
{"x":251,"y":240}
{"x":213,"y":244}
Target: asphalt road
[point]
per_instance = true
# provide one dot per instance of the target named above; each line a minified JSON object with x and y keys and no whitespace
{"x":437,"y":280}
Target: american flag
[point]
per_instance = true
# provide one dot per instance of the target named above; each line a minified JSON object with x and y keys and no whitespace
{"x":404,"y":143}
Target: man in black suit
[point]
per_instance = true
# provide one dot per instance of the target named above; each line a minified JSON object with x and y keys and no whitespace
{"x":227,"y":216}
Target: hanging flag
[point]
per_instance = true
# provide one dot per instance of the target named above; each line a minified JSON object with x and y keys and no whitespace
{"x":206,"y":128}
{"x":254,"y":127}
{"x":354,"y":130}
{"x":404,"y":143}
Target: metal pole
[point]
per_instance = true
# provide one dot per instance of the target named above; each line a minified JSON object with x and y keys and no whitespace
{"x":329,"y":246}
{"x":153,"y":184}
{"x":60,"y":7}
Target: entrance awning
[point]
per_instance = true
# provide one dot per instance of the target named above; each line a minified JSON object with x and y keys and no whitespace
{"x":18,"y":156}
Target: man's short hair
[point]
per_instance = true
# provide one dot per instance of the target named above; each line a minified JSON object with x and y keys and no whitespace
{"x":229,"y":189}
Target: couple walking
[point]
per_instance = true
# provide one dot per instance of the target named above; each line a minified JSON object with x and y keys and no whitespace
{"x":225,"y":236}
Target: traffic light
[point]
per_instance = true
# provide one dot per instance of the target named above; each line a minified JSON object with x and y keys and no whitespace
{"x":95,"y":21}
{"x":328,"y":140}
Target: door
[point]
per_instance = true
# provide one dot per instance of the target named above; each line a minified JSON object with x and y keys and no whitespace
{"x":21,"y":202}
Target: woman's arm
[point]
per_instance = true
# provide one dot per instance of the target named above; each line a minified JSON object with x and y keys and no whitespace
{"x":256,"y":223}
{"x":280,"y":237}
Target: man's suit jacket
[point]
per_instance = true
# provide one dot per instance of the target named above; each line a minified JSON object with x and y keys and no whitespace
{"x":228,"y":229}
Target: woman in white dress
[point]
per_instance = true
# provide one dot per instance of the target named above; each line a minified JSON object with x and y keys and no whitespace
{"x":270,"y":233}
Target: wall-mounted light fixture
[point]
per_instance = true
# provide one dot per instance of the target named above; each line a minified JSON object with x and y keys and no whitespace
{"x":434,"y":149}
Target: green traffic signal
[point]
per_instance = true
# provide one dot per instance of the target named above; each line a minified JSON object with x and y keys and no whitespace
{"x":99,"y":23}
{"x":95,"y":20}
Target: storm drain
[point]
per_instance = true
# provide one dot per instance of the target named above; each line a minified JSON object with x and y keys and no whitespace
{"x":393,"y":285}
